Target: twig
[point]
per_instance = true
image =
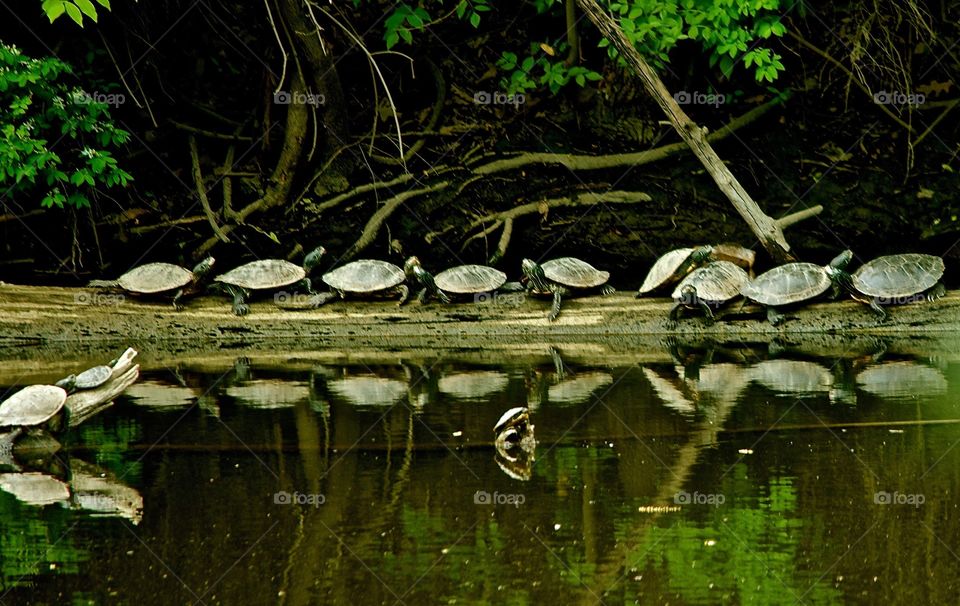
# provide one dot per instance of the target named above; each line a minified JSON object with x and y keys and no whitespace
{"x":800,"y":215}
{"x":225,"y":174}
{"x":504,"y":241}
{"x":202,"y":191}
{"x":283,"y":51}
{"x":930,"y":128}
{"x":210,"y":133}
{"x":173,"y":223}
{"x":376,"y":221}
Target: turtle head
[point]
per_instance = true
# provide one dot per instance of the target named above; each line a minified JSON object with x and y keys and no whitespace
{"x":202,"y":269}
{"x":688,"y":294}
{"x":533,"y":274}
{"x":313,"y":258}
{"x":69,"y":384}
{"x":412,"y":266}
{"x":842,"y":260}
{"x":837,"y":270}
{"x":701,"y":254}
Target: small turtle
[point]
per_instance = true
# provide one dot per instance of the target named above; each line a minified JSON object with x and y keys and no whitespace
{"x":367,"y":277}
{"x":795,"y":283}
{"x":562,"y":277}
{"x":88,"y":379}
{"x":709,"y":286}
{"x":514,"y":428}
{"x":157,"y":279}
{"x":267,"y":275}
{"x":673,"y":266}
{"x":459,"y":282}
{"x":34,"y":405}
{"x":897,"y":279}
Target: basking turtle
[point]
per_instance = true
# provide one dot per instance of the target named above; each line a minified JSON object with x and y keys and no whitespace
{"x":366,"y":278}
{"x":88,"y":379}
{"x":897,"y":279}
{"x":34,"y":405}
{"x":267,"y":275}
{"x":709,"y":286}
{"x":514,"y":428}
{"x":459,"y":282}
{"x":156,"y":279}
{"x":562,"y":277}
{"x":795,"y":283}
{"x":672,"y":267}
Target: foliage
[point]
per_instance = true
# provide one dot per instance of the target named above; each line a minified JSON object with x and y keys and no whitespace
{"x":54,"y":136}
{"x":75,"y":9}
{"x":732,"y":32}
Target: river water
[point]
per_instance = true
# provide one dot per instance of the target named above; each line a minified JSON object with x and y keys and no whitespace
{"x":728,"y":475}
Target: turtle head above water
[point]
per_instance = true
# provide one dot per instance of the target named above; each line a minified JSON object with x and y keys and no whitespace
{"x":68,"y":384}
{"x":203,"y":268}
{"x":533,"y":274}
{"x":313,"y":258}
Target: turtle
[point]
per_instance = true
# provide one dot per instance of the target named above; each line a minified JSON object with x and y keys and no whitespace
{"x":514,"y":428}
{"x":459,"y":282}
{"x":709,"y":286}
{"x":561,"y":277}
{"x":672,"y":267}
{"x":897,"y":279}
{"x":34,"y":405}
{"x":795,"y":283}
{"x":366,"y":277}
{"x":267,"y":275}
{"x":88,"y":379}
{"x":156,"y":279}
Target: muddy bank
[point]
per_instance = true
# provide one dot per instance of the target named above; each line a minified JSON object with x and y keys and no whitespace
{"x":63,"y":324}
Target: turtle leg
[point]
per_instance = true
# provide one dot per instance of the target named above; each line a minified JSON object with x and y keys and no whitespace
{"x":936,"y":292}
{"x":177,"y":298}
{"x":707,"y":311}
{"x":555,"y":308}
{"x":422,"y":296}
{"x":775,"y":317}
{"x":305,"y":285}
{"x":240,"y":308}
{"x":607,"y":290}
{"x":879,"y":310}
{"x":404,"y":291}
{"x":675,"y":312}
{"x":512,"y":287}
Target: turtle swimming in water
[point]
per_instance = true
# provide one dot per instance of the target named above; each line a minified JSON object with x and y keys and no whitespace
{"x":795,"y":283}
{"x":563,"y":277}
{"x":156,"y":279}
{"x":267,"y":275}
{"x":897,"y":279}
{"x":709,"y":286}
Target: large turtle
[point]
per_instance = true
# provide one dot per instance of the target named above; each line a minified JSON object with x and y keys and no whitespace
{"x":267,"y":275}
{"x":795,"y":283}
{"x":562,"y":277}
{"x":672,"y":267}
{"x":709,"y":286}
{"x":34,"y":405}
{"x":156,"y":279}
{"x":366,"y":277}
{"x":897,"y":279}
{"x":459,"y":282}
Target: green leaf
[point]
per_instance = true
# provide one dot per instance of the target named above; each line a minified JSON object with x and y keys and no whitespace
{"x":475,"y":20}
{"x":53,"y":8}
{"x":74,"y":13}
{"x":87,"y":8}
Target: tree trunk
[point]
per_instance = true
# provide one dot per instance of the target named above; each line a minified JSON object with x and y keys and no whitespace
{"x":767,"y":229}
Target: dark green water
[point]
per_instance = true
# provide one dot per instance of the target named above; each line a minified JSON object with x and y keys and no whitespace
{"x":806,"y":481}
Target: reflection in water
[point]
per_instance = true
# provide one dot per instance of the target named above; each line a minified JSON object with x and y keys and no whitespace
{"x":377,"y":483}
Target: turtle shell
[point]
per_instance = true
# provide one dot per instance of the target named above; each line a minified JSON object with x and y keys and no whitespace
{"x":364,"y":276}
{"x":93,"y":377}
{"x":717,"y":281}
{"x":32,"y":405}
{"x":790,"y":283}
{"x":665,"y":270}
{"x":469,"y":279}
{"x":264,"y":274}
{"x":898,"y":275}
{"x":572,"y":272}
{"x":155,"y":277}
{"x":512,"y":418}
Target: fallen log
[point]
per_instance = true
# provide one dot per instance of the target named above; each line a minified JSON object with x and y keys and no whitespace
{"x":86,"y":403}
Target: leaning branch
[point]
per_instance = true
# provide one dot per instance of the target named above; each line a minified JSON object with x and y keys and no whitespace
{"x":372,"y":227}
{"x":202,"y":192}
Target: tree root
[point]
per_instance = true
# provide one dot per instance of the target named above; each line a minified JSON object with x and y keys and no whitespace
{"x":202,"y":191}
{"x":372,"y":227}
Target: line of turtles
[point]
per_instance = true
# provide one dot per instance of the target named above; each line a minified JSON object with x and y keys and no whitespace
{"x":705,"y":278}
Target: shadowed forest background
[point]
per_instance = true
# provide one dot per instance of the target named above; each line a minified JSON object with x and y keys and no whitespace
{"x":387,"y":129}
